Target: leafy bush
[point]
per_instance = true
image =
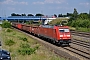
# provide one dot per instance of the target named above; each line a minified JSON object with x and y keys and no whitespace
{"x":23,"y":38}
{"x":25,"y":49}
{"x":25,"y":45}
{"x":6,"y":24}
{"x":8,"y":30}
{"x":9,"y":42}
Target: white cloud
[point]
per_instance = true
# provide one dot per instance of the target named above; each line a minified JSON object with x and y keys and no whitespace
{"x":12,"y":2}
{"x":24,"y":3}
{"x":38,"y":2}
{"x":54,"y":1}
{"x":50,"y":1}
{"x":10,"y":8}
{"x":85,"y":4}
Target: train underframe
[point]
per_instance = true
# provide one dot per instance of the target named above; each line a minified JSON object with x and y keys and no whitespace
{"x":52,"y":40}
{"x":64,"y":41}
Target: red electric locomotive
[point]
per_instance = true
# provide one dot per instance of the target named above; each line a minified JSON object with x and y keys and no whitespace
{"x":58,"y":34}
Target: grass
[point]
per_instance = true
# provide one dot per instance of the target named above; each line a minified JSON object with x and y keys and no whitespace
{"x":80,"y":29}
{"x":83,"y":29}
{"x":40,"y":54}
{"x":58,"y":21}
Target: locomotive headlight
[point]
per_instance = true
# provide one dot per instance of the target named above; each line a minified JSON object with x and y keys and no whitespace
{"x":61,"y":35}
{"x":68,"y":35}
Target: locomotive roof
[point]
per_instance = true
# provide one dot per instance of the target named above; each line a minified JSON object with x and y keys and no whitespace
{"x":49,"y":26}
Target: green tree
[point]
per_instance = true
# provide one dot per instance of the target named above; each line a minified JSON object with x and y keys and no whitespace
{"x":39,"y":14}
{"x":89,"y":15}
{"x":55,"y":15}
{"x":23,"y":14}
{"x":75,"y":14}
{"x":13,"y":14}
{"x":69,"y":14}
{"x":18,"y":15}
{"x":30,"y":15}
{"x":83,"y":16}
{"x":60,"y":15}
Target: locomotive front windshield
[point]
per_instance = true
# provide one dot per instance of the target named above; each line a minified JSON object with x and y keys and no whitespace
{"x":64,"y":30}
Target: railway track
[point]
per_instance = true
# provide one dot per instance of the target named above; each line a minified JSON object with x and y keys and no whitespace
{"x":82,"y":34}
{"x":71,"y":52}
{"x":81,"y":43}
{"x":79,"y":47}
{"x":83,"y":54}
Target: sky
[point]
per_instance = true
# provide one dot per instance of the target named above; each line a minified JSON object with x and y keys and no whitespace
{"x":46,"y":7}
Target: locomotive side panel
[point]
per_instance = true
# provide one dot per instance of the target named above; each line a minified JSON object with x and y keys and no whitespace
{"x":50,"y":33}
{"x":47,"y":33}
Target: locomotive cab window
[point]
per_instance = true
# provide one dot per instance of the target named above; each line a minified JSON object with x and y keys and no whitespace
{"x":66,"y":30}
{"x":63,"y":30}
